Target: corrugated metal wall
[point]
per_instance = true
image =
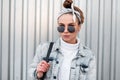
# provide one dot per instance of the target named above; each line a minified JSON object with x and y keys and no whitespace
{"x":26,"y":23}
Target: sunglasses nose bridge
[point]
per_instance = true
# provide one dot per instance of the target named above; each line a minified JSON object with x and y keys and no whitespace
{"x":66,"y":29}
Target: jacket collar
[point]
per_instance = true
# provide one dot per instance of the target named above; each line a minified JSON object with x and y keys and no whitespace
{"x":80,"y":49}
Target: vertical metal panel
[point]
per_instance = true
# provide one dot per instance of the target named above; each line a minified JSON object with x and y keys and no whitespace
{"x":5,"y":39}
{"x":57,"y":7}
{"x":38,"y":20}
{"x":31,"y":28}
{"x":18,"y":40}
{"x":25,"y":39}
{"x":50,"y":18}
{"x":0,"y":39}
{"x":26,"y":23}
{"x":107,"y":39}
{"x":12,"y":40}
{"x":117,"y":67}
{"x":94,"y":26}
{"x":113,"y":41}
{"x":100,"y":40}
{"x":44,"y":20}
{"x":31,"y":31}
{"x":82,"y":35}
{"x":88,"y":22}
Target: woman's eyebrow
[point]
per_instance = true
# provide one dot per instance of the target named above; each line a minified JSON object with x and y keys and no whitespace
{"x":60,"y":24}
{"x":67,"y":24}
{"x":71,"y":24}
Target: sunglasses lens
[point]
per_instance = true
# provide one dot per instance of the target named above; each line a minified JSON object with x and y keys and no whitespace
{"x":60,"y":29}
{"x":71,"y":29}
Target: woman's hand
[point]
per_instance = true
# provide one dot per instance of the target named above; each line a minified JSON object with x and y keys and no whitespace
{"x":42,"y":67}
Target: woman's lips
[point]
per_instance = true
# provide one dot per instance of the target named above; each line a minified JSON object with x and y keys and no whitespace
{"x":66,"y":36}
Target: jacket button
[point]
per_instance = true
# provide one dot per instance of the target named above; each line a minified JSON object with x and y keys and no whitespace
{"x":57,"y":49}
{"x":54,"y":77}
{"x":57,"y":62}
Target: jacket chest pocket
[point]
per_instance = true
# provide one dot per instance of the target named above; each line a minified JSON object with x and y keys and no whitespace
{"x":83,"y":64}
{"x":82,"y":68}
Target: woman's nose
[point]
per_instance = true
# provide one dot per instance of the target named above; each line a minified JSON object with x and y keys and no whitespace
{"x":66,"y":29}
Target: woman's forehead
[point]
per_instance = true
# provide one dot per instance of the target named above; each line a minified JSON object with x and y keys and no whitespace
{"x":66,"y":17}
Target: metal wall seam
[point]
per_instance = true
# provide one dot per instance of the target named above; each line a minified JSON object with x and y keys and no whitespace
{"x":101,"y":38}
{"x":35,"y":4}
{"x":113,"y":41}
{"x":14,"y":40}
{"x":26,"y":33}
{"x":88,"y":23}
{"x":1,"y":7}
{"x":22,"y":36}
{"x":53,"y":22}
{"x":91,"y":27}
{"x":40,"y":21}
{"x":9,"y":38}
{"x":24,"y":72}
{"x":102,"y":66}
{"x":97,"y":57}
{"x":110,"y":69}
{"x":48,"y":32}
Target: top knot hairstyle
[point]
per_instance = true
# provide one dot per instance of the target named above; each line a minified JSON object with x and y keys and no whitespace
{"x":68,"y":3}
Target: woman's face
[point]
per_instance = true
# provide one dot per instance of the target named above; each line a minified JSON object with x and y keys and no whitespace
{"x":67,"y":20}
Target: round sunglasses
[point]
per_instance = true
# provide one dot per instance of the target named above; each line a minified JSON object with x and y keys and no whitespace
{"x":61,"y":29}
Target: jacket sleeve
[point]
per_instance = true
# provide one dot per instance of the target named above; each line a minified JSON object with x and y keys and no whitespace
{"x":92,"y":69}
{"x":37,"y":58}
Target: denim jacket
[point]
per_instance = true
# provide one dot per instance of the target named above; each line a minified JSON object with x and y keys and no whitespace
{"x":83,"y":66}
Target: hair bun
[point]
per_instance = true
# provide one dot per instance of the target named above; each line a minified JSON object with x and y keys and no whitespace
{"x":67,"y":3}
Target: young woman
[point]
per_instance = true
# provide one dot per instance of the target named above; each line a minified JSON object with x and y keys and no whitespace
{"x":71,"y":60}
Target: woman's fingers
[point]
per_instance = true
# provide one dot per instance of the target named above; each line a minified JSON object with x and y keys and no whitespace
{"x":43,"y":66}
{"x":39,"y":74}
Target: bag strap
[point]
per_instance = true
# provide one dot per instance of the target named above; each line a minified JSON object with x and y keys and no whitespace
{"x":49,"y":51}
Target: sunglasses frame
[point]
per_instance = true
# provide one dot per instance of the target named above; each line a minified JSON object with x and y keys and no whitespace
{"x":70,"y":29}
